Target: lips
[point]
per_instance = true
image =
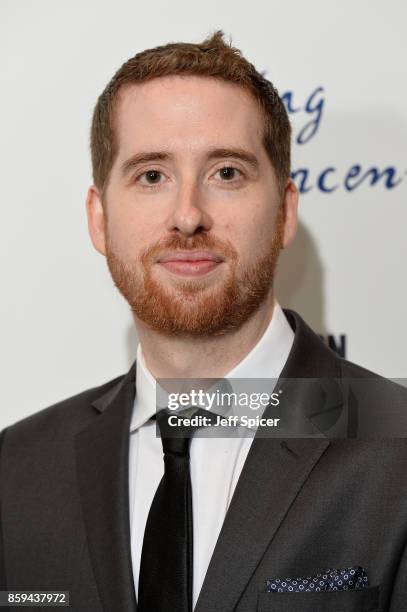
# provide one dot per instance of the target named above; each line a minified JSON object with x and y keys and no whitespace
{"x":191,"y":263}
{"x":192,"y":256}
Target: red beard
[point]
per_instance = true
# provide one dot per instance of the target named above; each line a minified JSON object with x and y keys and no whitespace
{"x":195,"y":307}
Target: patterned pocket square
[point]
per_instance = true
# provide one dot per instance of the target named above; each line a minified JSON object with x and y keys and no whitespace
{"x":331,"y":580}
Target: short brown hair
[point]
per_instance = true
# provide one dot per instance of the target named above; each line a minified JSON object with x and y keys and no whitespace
{"x":214,"y":58}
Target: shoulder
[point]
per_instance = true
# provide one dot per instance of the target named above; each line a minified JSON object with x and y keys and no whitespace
{"x":64,"y":417}
{"x":314,"y":357}
{"x":311,"y":357}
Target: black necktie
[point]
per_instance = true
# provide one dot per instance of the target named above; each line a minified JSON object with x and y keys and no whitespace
{"x":165,"y":580}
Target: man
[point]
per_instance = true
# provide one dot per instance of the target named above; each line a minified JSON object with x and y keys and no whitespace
{"x":191,"y":203}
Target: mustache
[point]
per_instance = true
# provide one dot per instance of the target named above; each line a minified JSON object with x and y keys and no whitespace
{"x":190,"y":243}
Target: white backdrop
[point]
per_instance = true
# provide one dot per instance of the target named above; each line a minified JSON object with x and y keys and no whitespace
{"x":341,"y":67}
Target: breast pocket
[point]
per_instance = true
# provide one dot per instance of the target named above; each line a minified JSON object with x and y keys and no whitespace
{"x":354,"y":600}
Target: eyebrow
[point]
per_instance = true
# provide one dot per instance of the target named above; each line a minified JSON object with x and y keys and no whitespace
{"x":151,"y":156}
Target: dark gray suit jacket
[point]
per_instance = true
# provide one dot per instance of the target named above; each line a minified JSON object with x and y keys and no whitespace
{"x":301,"y":505}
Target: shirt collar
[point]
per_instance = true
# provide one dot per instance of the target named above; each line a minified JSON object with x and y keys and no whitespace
{"x":266,"y":360}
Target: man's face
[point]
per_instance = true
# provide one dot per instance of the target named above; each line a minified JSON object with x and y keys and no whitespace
{"x":191,"y":179}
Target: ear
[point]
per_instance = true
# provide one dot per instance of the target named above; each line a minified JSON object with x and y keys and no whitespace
{"x":96,"y":219}
{"x":290,"y":207}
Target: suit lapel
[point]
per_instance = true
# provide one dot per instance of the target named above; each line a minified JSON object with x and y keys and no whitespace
{"x":273,"y":474}
{"x":269,"y":483}
{"x":102,"y":470}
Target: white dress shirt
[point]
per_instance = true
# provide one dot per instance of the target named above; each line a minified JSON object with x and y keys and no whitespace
{"x":216,"y":462}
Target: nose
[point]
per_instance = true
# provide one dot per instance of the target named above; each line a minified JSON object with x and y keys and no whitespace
{"x":188,"y":214}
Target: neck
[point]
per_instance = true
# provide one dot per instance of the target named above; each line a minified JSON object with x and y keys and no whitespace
{"x":206,"y":357}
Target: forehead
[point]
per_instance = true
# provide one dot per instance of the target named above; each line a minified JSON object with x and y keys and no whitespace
{"x":188,"y":113}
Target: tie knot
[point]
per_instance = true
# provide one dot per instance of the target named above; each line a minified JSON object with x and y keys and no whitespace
{"x":177,"y":428}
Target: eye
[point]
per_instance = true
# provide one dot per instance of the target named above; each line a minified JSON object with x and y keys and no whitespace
{"x":151,"y":177}
{"x":229,"y":173}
